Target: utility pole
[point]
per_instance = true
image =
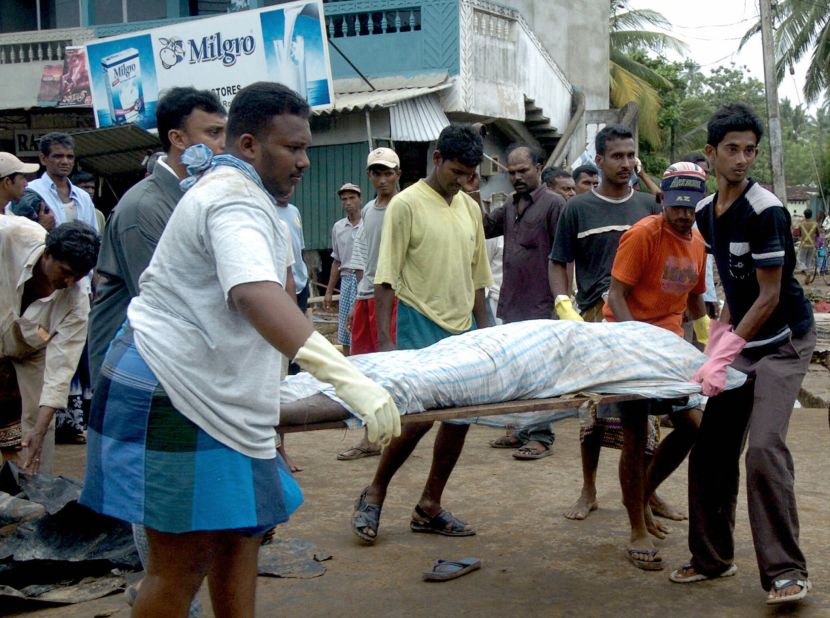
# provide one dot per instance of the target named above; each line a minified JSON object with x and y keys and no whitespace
{"x":775,"y":145}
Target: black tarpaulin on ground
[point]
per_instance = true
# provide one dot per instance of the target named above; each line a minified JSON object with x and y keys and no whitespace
{"x":65,"y":555}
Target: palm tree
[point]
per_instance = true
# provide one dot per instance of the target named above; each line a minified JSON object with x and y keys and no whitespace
{"x":631,"y":80}
{"x":803,"y":26}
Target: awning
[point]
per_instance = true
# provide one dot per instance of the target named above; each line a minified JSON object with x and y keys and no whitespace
{"x":420,"y":119}
{"x":114,"y":150}
{"x":354,"y":94}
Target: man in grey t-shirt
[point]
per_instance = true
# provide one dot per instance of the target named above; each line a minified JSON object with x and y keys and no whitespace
{"x":384,"y":170}
{"x":185,"y":116}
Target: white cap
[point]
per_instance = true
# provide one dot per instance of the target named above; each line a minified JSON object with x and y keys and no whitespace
{"x":10,"y":164}
{"x":349,"y":186}
{"x":383,"y":156}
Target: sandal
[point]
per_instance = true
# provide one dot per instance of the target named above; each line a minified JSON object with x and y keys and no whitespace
{"x":780,"y":584}
{"x":655,"y":564}
{"x":508,"y":441}
{"x":687,"y":574}
{"x":445,"y":570}
{"x":445,"y":523}
{"x":366,"y":517}
{"x":529,"y":453}
{"x":358,"y":452}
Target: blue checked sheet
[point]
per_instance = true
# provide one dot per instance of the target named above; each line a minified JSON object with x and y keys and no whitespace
{"x":528,"y":360}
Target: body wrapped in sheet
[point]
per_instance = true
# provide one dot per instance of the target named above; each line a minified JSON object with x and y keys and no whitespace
{"x":529,"y":360}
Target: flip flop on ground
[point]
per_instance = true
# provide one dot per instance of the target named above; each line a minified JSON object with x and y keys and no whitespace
{"x":358,"y":452}
{"x":366,"y":518}
{"x":529,"y":453}
{"x":780,"y":584}
{"x":444,"y":570}
{"x":445,"y":523}
{"x":654,"y":563}
{"x":687,"y":574}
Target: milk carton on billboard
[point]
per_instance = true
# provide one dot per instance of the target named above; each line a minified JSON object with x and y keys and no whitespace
{"x":124,"y":91}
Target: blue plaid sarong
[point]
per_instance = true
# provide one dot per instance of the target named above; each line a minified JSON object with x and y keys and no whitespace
{"x":348,"y":292}
{"x":147,"y":464}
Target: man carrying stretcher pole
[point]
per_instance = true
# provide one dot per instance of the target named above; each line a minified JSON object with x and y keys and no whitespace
{"x":658,"y":273}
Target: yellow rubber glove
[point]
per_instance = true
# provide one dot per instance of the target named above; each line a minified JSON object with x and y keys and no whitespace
{"x":369,"y":401}
{"x":701,"y":326}
{"x":565,"y":309}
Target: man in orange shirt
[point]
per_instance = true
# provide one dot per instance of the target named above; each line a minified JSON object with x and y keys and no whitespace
{"x":658,"y":273}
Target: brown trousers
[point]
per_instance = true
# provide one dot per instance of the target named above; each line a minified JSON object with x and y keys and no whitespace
{"x":757,"y":414}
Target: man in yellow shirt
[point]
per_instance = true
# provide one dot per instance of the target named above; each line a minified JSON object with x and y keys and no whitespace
{"x":432,"y":257}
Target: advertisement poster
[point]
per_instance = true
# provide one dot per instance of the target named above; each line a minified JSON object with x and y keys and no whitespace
{"x":286,"y":44}
{"x":75,"y":88}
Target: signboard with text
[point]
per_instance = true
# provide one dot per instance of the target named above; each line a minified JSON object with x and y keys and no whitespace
{"x":286,"y":44}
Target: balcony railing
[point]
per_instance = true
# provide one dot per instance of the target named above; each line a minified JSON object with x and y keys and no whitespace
{"x":374,"y":22}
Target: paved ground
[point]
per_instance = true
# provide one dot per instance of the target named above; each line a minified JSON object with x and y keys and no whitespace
{"x":535,"y":562}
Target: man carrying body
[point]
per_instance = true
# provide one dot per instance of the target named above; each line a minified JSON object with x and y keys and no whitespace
{"x":185,"y":116}
{"x":588,"y":234}
{"x":528,"y":223}
{"x":659,"y":272}
{"x":342,"y":271}
{"x":44,"y":306}
{"x":766,"y":330}
{"x":190,"y":390}
{"x":559,"y":181}
{"x":384,"y":170}
{"x":586,"y":178}
{"x":65,"y":200}
{"x":428,"y":228}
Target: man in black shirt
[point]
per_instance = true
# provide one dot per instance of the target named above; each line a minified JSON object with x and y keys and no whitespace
{"x":767,"y":331}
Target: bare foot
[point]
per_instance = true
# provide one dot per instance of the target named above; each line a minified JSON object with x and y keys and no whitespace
{"x":654,"y":527}
{"x":291,"y":465}
{"x":582,"y":507}
{"x":661,"y":508}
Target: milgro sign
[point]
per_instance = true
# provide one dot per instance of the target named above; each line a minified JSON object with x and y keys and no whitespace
{"x":224,"y":54}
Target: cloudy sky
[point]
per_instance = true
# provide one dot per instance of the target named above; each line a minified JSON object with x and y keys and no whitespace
{"x":713,"y":29}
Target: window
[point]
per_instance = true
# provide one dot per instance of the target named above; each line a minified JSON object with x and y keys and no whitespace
{"x":119,"y":11}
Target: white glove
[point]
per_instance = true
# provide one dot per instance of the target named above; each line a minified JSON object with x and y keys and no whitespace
{"x":369,"y":401}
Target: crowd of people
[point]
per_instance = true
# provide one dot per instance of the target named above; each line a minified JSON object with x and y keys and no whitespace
{"x":179,"y":316}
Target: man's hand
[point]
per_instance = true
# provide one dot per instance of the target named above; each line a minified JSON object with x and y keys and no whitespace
{"x":565,"y":309}
{"x":33,"y":440}
{"x":349,"y":318}
{"x":327,"y":303}
{"x":46,"y":217}
{"x":712,"y":375}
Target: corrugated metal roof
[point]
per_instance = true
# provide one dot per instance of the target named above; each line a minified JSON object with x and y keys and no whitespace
{"x":355,"y":94}
{"x":420,"y":119}
{"x":114,"y":150}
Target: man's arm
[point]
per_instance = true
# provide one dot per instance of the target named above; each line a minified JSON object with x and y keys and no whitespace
{"x":334,"y":279}
{"x":618,"y":300}
{"x":695,"y":306}
{"x":769,"y":283}
{"x":493,"y":222}
{"x":480,"y":309}
{"x":384,"y":303}
{"x":62,"y":355}
{"x":558,"y":278}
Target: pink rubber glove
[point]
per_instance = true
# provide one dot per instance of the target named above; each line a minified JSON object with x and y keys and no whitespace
{"x":712,"y":375}
{"x":716,"y":331}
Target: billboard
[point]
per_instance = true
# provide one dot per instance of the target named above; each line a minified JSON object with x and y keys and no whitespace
{"x":286,"y":44}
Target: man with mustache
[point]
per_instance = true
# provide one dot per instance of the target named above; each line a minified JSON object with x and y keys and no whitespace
{"x":528,"y":223}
